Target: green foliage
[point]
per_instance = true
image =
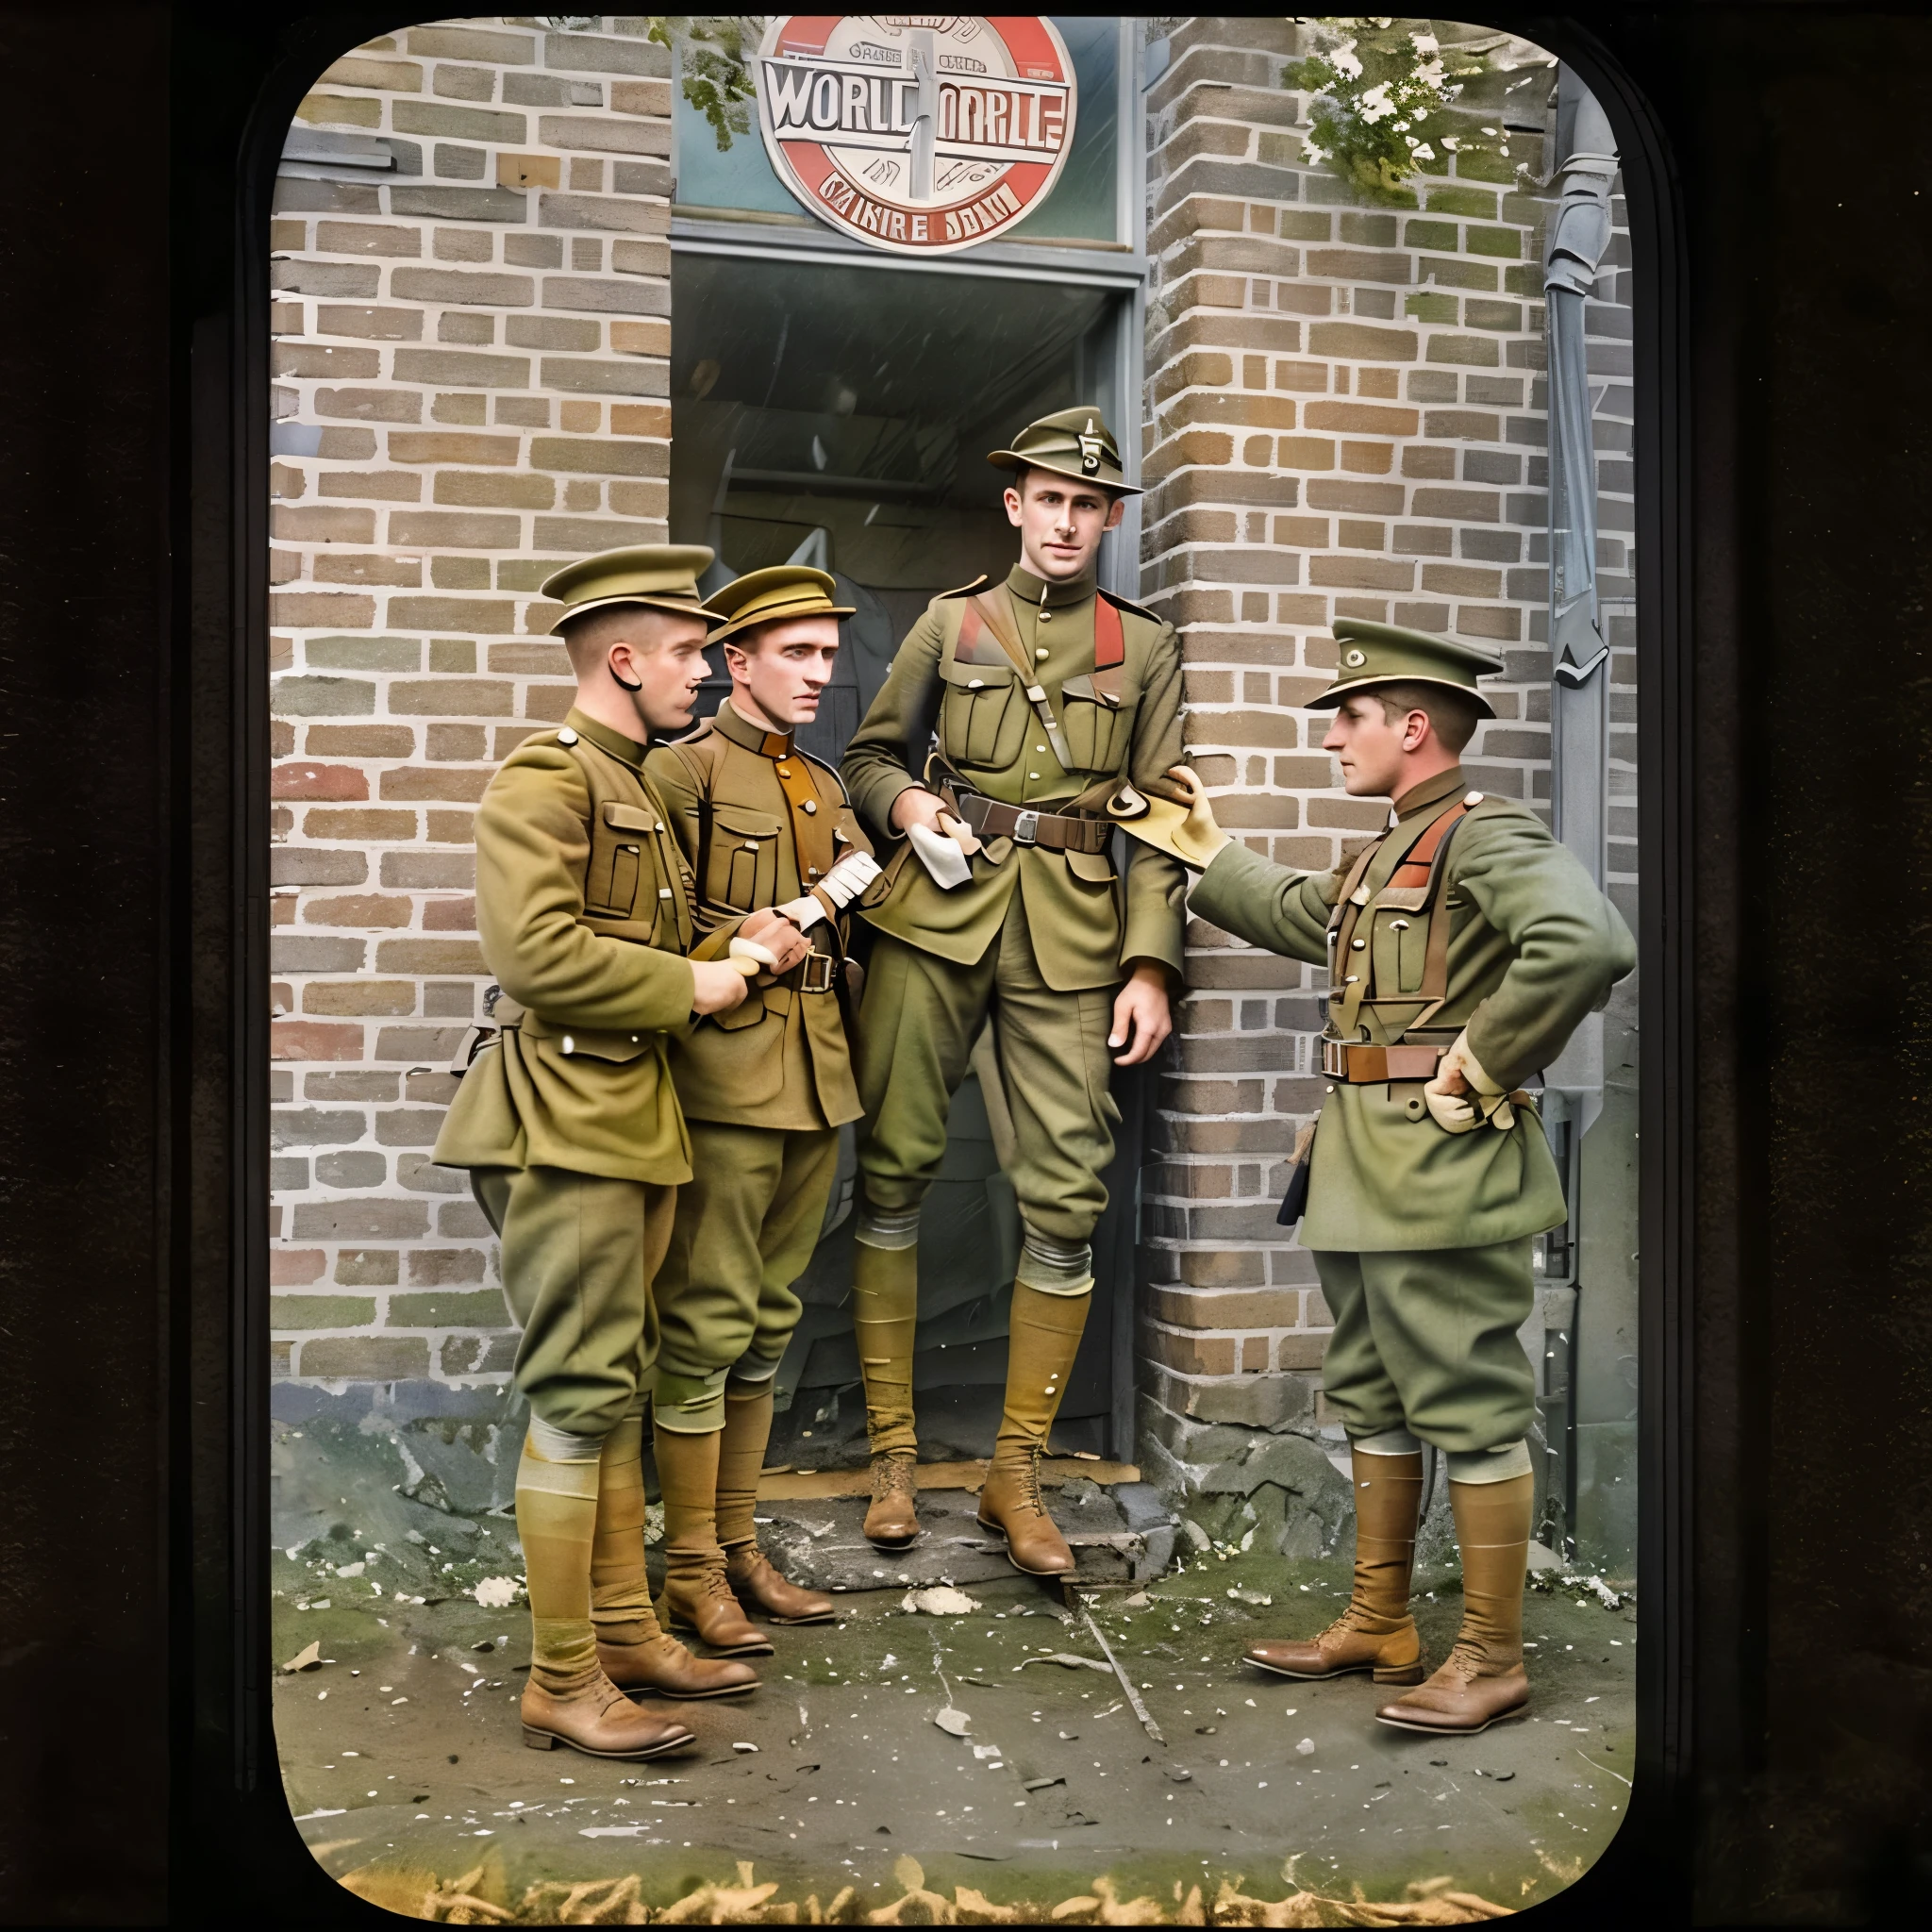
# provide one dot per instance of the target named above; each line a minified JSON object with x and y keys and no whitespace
{"x":715,"y":53}
{"x":1383,"y":92}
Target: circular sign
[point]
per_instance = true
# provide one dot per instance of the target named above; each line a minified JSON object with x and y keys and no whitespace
{"x":920,"y":133}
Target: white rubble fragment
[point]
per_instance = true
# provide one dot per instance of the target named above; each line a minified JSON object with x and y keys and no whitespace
{"x":495,"y":1592}
{"x":1306,"y":1747}
{"x":939,"y":1602}
{"x":954,"y":1722}
{"x":306,"y":1658}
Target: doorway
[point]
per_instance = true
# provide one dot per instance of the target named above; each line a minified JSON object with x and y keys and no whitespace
{"x":838,"y":415}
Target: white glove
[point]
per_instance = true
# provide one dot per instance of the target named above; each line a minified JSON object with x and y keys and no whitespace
{"x":750,"y":958}
{"x":941,"y":857}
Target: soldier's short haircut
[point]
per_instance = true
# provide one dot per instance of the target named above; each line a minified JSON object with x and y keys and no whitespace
{"x":1452,"y":717}
{"x":589,"y":636}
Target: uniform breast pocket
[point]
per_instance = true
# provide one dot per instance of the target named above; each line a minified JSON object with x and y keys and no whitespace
{"x":742,"y":872}
{"x":610,"y":884}
{"x":984,"y":717}
{"x":1099,"y":732}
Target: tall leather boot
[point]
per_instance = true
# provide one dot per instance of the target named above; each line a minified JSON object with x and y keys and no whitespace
{"x":756,"y":1584}
{"x":697,"y":1595}
{"x":635,"y":1653}
{"x":568,"y":1699}
{"x":885,"y":1304}
{"x":1482,"y":1679}
{"x":1375,"y":1632}
{"x":1045,"y":1336}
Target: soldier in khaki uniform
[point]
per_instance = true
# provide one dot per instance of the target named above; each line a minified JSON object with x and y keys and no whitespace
{"x":765,"y":1088}
{"x":1464,"y":947}
{"x":570,"y":1127}
{"x":1044,"y":693}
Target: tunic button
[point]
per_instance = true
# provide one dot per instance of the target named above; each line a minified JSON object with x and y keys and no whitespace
{"x":1041,"y":654}
{"x":1357,"y":945}
{"x":1040,"y":747}
{"x":784,"y":771}
{"x":811,"y":805}
{"x":1033,"y":775}
{"x":1046,"y":617}
{"x":1328,"y":1090}
{"x":566,"y":736}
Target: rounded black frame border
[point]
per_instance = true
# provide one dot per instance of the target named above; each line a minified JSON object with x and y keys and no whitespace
{"x":228,"y":1813}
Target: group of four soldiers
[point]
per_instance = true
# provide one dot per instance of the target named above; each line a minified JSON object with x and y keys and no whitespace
{"x":652,"y":1129}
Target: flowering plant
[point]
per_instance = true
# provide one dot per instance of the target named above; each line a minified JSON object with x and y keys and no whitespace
{"x":714,"y":51}
{"x":1382,"y":90}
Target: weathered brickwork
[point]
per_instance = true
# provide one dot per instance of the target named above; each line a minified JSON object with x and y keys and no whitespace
{"x":1345,"y":416}
{"x":471,"y":322}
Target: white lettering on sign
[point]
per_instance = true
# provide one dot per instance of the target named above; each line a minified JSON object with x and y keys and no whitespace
{"x":921,"y":134}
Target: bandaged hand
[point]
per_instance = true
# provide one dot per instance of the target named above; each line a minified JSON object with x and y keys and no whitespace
{"x":771,"y":938}
{"x":1462,"y":1096}
{"x":842,"y":885}
{"x":1199,"y":839}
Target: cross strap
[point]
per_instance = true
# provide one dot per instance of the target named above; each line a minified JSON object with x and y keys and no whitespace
{"x":984,"y":610}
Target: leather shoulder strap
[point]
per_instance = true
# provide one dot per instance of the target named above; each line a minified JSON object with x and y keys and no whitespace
{"x":997,"y":619}
{"x":1109,"y":644}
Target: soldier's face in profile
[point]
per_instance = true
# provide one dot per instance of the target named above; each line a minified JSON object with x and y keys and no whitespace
{"x":1368,"y":748}
{"x":664,"y":656}
{"x":1059,"y":523}
{"x":781,"y":669}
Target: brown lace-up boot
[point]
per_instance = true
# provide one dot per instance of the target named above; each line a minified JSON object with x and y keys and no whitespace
{"x":569,"y":1700}
{"x":635,"y":1653}
{"x":697,"y":1595}
{"x":891,"y":1519}
{"x":757,"y":1586}
{"x":1375,"y":1632}
{"x":885,"y":1301}
{"x":1482,"y":1678}
{"x":1045,"y":1336}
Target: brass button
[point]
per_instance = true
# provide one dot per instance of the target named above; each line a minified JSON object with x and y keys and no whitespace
{"x":784,"y":771}
{"x":1046,"y":617}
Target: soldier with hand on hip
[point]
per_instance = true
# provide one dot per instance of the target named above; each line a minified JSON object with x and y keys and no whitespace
{"x":570,"y":1127}
{"x":765,"y":1088}
{"x":1040,"y":695}
{"x":1464,"y":946}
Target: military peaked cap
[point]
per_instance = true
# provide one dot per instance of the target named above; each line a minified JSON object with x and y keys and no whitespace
{"x":662,"y":576}
{"x":765,"y":596}
{"x":1372,"y":653}
{"x":1076,"y":443}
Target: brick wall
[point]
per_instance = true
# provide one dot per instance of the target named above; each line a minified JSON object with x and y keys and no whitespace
{"x":472,"y":325}
{"x":1344,"y":416}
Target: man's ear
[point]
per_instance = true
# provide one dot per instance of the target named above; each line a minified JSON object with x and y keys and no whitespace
{"x":1115,"y":514}
{"x":1010,"y":498}
{"x":1415,"y":730}
{"x":736,"y":659}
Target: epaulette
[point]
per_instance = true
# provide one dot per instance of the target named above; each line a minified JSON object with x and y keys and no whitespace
{"x":1120,"y":603}
{"x":979,"y":584}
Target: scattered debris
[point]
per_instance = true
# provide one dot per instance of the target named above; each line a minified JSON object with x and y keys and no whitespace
{"x":1305,"y":1747}
{"x":1180,"y":1775}
{"x":1251,"y":1596}
{"x":1068,"y":1660}
{"x":307,"y":1658}
{"x":955,"y":1723}
{"x":1195,"y":1534}
{"x":1141,"y":1710}
{"x":496,"y":1593}
{"x":1040,"y":1784}
{"x":744,"y":1747}
{"x":939,"y":1602}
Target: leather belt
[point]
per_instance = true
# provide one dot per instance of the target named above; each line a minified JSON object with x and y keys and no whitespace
{"x":815,"y":972}
{"x":1371,"y":1066}
{"x":1057,"y":831}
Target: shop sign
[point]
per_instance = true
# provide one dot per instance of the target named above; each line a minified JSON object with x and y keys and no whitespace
{"x":920,"y":133}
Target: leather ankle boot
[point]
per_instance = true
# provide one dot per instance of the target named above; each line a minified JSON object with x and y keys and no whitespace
{"x":1482,"y":1679}
{"x":1375,"y":1632}
{"x":662,"y":1664}
{"x":569,"y":1700}
{"x":1045,"y":1336}
{"x":696,"y":1595}
{"x":891,"y":1521}
{"x":760,"y":1589}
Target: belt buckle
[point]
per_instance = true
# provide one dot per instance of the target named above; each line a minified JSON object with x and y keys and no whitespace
{"x":817,"y":973}
{"x":1027,"y":828}
{"x":1335,"y":1058}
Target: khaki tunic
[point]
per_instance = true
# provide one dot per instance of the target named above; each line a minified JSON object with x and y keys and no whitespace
{"x":778,"y":820}
{"x":1534,"y":946}
{"x":1088,"y":925}
{"x":584,"y":910}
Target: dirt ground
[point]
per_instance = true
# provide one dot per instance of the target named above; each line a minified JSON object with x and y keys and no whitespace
{"x":834,"y":1794}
